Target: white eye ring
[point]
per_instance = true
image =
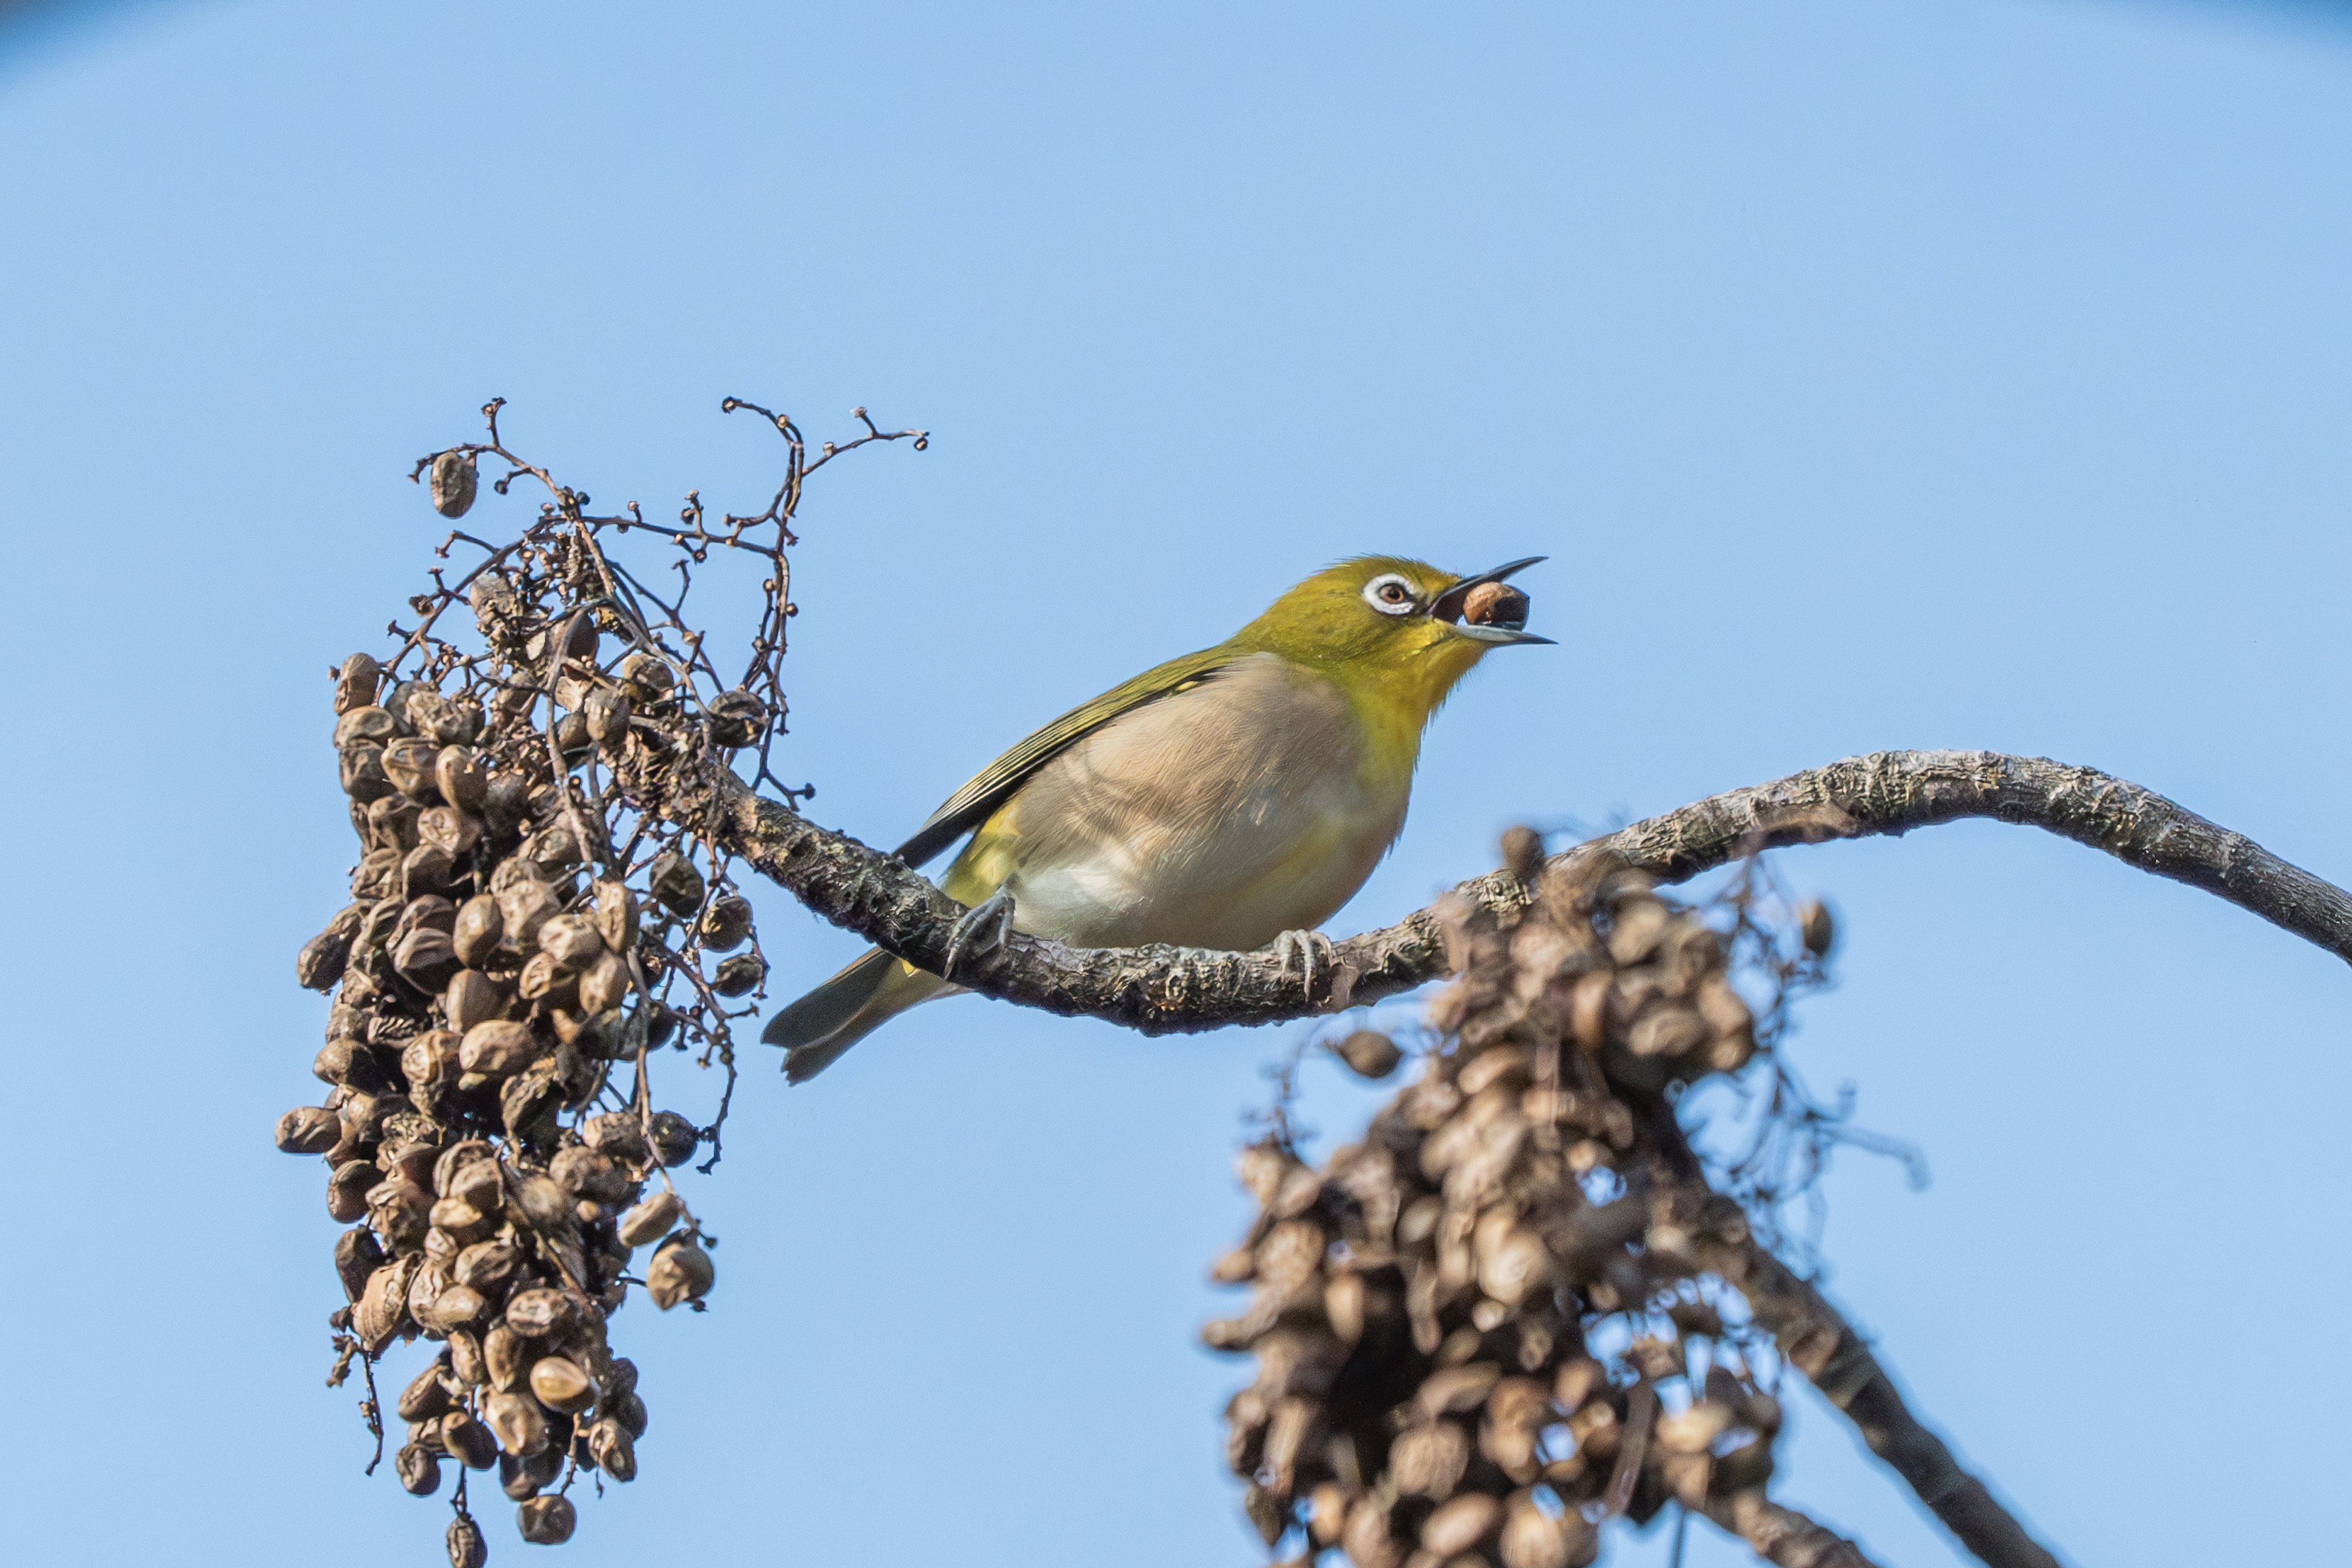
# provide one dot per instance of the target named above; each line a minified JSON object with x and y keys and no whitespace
{"x":1391,"y":595}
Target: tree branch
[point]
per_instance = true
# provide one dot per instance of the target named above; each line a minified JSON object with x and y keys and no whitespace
{"x":1783,"y":1535}
{"x":1167,"y":990}
{"x":1820,"y":1343}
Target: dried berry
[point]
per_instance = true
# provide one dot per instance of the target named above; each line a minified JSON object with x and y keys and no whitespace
{"x":466,"y":1548}
{"x":546,"y":1520}
{"x":452,"y":483}
{"x":676,"y":883}
{"x":1368,"y":1054}
{"x":737,"y":720}
{"x":726,"y":923}
{"x":681,"y":1271}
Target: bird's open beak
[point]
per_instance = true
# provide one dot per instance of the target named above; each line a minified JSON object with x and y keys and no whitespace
{"x":1508,"y":626}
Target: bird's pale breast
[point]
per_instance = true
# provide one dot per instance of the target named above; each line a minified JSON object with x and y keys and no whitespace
{"x":1219,"y":816}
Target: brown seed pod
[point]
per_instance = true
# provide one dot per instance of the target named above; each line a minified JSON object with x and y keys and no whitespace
{"x":604,"y":984}
{"x":396,"y":1211}
{"x":570,"y":940}
{"x":347,"y":1189}
{"x":452,"y":483}
{"x":737,"y":720}
{"x":522,"y":1478}
{"x":475,"y":933}
{"x":674,"y":1137}
{"x":1367,"y":1539}
{"x":587,"y":1173}
{"x":418,"y":1469}
{"x":541,"y":1313}
{"x":645,"y":676}
{"x":465,"y":1362}
{"x":1818,"y":927}
{"x":606,"y":714}
{"x":468,"y":1441}
{"x":427,"y":868}
{"x":449,"y":829}
{"x":726,"y":923}
{"x":619,"y":1134}
{"x":361,"y":775}
{"x":1461,"y":1524}
{"x":471,"y":998}
{"x":409,"y":763}
{"x":320,"y":965}
{"x":1494,"y":605}
{"x":558,"y":1382}
{"x":1368,"y":1054}
{"x":364,"y":726}
{"x":517,"y":1421}
{"x":455,"y":1307}
{"x":499,"y":1047}
{"x":652,"y":1219}
{"x":544,"y":980}
{"x":492,"y":1268}
{"x":616,"y":916}
{"x":547,"y":1520}
{"x":613,"y":1449}
{"x":425,"y":1398}
{"x":356,"y":681}
{"x":1532,"y":1538}
{"x":1428,"y":1459}
{"x":529,"y":1100}
{"x":309,"y":1130}
{"x":739,"y":975}
{"x":382,"y":1309}
{"x":544,"y":1204}
{"x":525,"y":904}
{"x":434,"y":717}
{"x":681,"y":1271}
{"x":675,"y":883}
{"x":357,"y":1254}
{"x":393,"y":823}
{"x":466,"y":1548}
{"x":506,"y":1359}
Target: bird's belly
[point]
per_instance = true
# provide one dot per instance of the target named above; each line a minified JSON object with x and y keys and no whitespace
{"x":1219,"y":818}
{"x":1234,"y":884}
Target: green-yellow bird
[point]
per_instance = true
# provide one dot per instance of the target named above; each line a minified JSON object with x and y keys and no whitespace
{"x":1231,"y":798}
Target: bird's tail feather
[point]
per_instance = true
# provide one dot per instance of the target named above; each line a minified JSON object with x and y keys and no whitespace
{"x":818,"y":1028}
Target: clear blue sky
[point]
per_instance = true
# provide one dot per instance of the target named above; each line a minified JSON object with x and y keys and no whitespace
{"x":1968,"y":374}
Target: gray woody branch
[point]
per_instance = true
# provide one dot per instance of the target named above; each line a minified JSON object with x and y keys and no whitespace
{"x":1168,"y":990}
{"x":1783,"y":1535}
{"x":1820,"y":1343}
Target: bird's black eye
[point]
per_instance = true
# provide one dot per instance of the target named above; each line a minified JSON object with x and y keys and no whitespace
{"x":1390,"y":595}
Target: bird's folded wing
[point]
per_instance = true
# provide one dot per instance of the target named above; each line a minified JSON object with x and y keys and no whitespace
{"x":978,"y":800}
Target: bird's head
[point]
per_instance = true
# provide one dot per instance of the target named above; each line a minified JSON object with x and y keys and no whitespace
{"x":1383,"y":624}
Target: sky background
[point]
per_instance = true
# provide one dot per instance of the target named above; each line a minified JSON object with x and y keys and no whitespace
{"x":1875,"y":375}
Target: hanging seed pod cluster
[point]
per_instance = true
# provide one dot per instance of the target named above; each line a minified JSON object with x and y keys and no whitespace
{"x":1501,"y":1317}
{"x":528,"y":940}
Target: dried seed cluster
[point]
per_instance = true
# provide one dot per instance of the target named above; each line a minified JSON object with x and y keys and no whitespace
{"x":1501,"y":1317}
{"x":531,"y":925}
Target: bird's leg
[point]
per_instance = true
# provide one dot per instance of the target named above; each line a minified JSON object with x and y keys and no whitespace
{"x":981,"y":930}
{"x":1302,"y":950}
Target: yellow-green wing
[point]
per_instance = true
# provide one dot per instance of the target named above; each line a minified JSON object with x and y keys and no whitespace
{"x":977,"y":801}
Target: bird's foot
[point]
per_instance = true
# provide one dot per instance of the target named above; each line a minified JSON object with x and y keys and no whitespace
{"x":981,"y":930}
{"x":1301,"y":951}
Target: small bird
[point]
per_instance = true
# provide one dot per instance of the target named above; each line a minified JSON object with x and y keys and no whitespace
{"x":1231,"y":798}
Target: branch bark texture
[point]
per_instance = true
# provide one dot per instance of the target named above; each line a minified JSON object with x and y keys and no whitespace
{"x":1167,"y":990}
{"x":1819,"y":1342}
{"x":1783,"y":1535}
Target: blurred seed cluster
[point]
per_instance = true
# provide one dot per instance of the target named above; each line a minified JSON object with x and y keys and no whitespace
{"x":528,"y":935}
{"x":1502,"y":1316}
